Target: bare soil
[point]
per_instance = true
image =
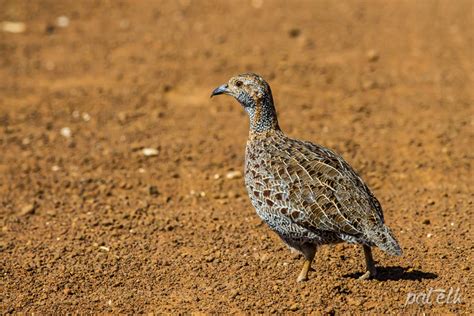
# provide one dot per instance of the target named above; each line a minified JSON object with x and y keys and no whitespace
{"x":91,"y":224}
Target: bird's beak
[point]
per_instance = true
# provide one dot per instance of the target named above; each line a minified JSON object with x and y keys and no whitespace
{"x":223,"y":89}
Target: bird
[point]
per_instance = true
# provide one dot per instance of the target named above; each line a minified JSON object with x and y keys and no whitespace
{"x":306,"y":193}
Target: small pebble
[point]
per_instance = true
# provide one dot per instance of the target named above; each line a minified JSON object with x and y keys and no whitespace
{"x":372,"y":55}
{"x":13,"y":27}
{"x":66,"y":132}
{"x":233,"y":293}
{"x":28,"y":209}
{"x":233,"y":175}
{"x":232,"y":194}
{"x":294,"y":307}
{"x":150,"y":152}
{"x":122,"y":117}
{"x":426,"y":222}
{"x":86,"y":117}
{"x":62,"y":21}
{"x":429,"y":235}
{"x":354,"y":301}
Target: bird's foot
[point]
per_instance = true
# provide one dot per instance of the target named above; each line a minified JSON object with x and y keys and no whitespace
{"x":368,"y":275}
{"x":302,"y":278}
{"x":304,"y":272}
{"x":370,"y":264}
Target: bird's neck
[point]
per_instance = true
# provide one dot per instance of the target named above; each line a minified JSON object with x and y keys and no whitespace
{"x":263,"y":117}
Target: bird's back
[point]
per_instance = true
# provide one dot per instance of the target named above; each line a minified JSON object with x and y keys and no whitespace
{"x":306,"y":187}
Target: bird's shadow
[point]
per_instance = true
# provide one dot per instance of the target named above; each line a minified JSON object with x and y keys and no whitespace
{"x":397,"y":273}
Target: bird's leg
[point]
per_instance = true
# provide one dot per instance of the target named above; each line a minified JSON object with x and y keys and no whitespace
{"x":309,"y":251}
{"x":370,"y":265}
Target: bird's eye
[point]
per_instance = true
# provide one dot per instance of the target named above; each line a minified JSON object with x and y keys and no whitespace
{"x":238,"y":84}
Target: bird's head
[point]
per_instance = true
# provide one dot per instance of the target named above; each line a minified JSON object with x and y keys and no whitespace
{"x":249,"y":89}
{"x":254,"y":94}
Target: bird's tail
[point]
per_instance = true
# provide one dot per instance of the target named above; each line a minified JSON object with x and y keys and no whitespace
{"x":387,"y":242}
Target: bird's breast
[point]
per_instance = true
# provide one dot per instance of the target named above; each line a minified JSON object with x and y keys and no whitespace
{"x":267,"y":191}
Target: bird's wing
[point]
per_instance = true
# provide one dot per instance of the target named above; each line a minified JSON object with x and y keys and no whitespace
{"x":323,"y":191}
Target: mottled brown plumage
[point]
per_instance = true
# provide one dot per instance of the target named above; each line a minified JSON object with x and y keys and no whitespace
{"x":306,"y":193}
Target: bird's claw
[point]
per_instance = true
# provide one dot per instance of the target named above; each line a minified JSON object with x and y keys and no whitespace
{"x":302,"y":278}
{"x":367,"y":276}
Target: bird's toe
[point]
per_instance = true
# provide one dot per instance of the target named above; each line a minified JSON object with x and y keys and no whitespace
{"x":367,"y":275}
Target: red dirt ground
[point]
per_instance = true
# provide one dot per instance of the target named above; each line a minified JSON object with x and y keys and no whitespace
{"x":89,"y":224}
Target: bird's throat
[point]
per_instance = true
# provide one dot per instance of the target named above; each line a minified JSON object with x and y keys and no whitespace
{"x":263,"y":117}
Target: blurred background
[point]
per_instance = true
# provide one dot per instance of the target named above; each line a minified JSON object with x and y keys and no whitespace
{"x":121,"y":183}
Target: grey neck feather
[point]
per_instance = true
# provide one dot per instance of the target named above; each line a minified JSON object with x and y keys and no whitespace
{"x":267,"y":120}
